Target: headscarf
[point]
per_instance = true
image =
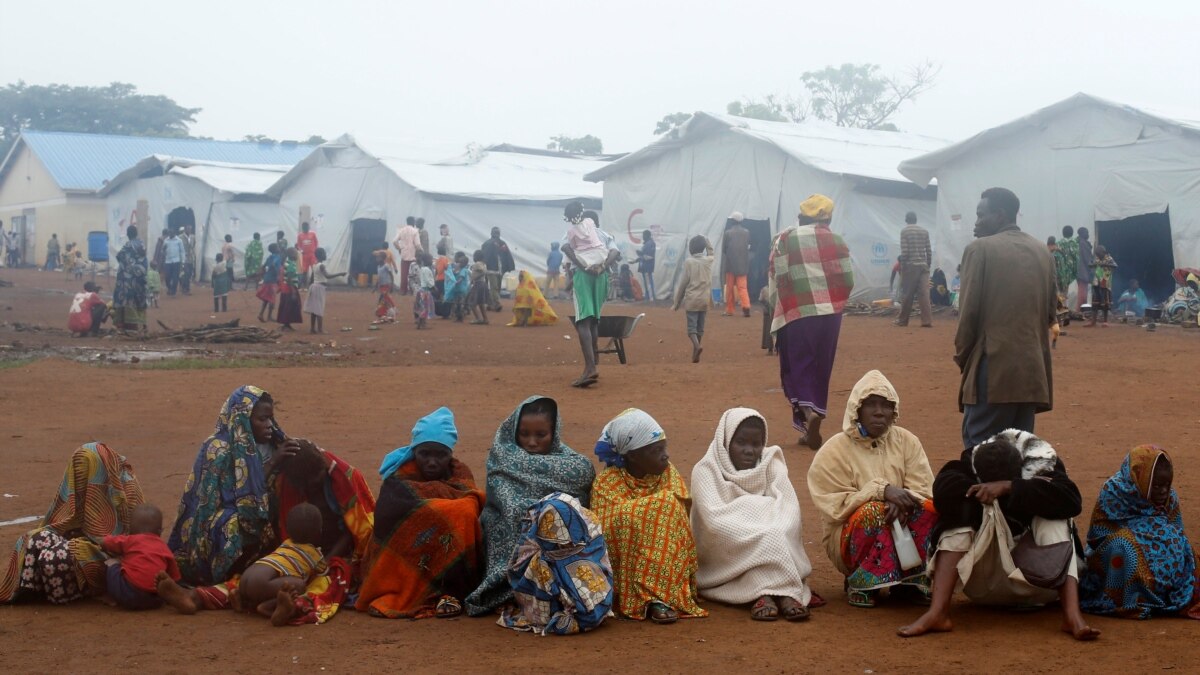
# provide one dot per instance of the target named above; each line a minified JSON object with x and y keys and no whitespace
{"x":1127,"y":494}
{"x":436,"y":427}
{"x":818,"y":207}
{"x":225,"y":509}
{"x":628,"y":431}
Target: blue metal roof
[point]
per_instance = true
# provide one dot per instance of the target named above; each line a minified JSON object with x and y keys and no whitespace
{"x":85,"y":161}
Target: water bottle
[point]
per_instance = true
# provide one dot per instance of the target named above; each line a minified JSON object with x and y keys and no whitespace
{"x":906,"y":550}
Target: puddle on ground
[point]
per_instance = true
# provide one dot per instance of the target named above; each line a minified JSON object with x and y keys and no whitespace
{"x":127,"y":356}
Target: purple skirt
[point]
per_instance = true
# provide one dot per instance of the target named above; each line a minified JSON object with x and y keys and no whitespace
{"x":806,"y":349}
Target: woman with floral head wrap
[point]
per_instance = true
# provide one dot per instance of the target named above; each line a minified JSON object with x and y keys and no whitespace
{"x":810,"y":282}
{"x":642,"y":505}
{"x":425,"y":555}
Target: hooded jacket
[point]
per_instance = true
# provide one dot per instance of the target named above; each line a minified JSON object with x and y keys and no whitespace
{"x":852,"y":469}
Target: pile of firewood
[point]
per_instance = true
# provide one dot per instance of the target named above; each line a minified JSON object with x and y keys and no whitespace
{"x":217,"y":333}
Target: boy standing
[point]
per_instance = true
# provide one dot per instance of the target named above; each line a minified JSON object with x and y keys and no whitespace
{"x":554,"y":263}
{"x":693,"y":292}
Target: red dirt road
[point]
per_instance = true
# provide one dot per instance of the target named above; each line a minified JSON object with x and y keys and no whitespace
{"x":1115,"y":388}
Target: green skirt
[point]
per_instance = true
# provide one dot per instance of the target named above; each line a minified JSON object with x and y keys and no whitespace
{"x":129,"y":318}
{"x":590,"y":291}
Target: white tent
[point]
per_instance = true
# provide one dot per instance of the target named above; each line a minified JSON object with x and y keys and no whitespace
{"x":362,"y":190}
{"x":691,"y":179}
{"x":222,"y":199}
{"x":1130,"y":175}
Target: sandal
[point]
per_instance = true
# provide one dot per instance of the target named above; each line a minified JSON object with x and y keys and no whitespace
{"x":816,"y":601}
{"x":660,"y":612}
{"x":792,"y":610}
{"x":585,"y":382}
{"x":865,"y":599}
{"x":764,"y":609}
{"x":448,"y":607}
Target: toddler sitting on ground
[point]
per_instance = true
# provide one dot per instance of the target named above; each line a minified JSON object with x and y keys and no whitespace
{"x":141,"y":559}
{"x":271,"y":584}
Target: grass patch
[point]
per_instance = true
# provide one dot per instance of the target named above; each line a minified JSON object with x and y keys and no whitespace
{"x":16,"y":363}
{"x":193,"y":363}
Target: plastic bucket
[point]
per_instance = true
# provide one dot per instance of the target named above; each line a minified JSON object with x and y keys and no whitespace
{"x":97,"y":250}
{"x":716,"y":295}
{"x":362,"y":279}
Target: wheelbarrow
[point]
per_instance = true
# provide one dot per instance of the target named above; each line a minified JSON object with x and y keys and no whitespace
{"x":617,"y":329}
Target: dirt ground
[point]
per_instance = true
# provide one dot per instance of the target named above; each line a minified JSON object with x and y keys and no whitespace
{"x":1115,"y":388}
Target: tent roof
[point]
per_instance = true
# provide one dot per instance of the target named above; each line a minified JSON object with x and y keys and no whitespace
{"x":840,"y":150}
{"x":471,"y":171}
{"x":83,"y":162}
{"x":242,"y":179}
{"x":922,"y":169}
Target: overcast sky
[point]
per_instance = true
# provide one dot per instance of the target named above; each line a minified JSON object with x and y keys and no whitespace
{"x":521,"y":71}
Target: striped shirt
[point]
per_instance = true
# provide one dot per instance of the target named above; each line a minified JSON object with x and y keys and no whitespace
{"x":295,"y":560}
{"x":914,"y":246}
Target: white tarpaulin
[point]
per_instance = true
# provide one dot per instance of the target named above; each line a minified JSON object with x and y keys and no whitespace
{"x":223,"y":198}
{"x":1073,"y":163}
{"x":689,"y":181}
{"x":469,"y":188}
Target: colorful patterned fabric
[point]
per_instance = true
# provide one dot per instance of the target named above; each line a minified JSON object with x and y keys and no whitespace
{"x":1139,"y":559}
{"x":294,"y":560}
{"x":1104,"y":272}
{"x":645,"y":523}
{"x":224,"y":520}
{"x":1068,"y":250}
{"x":422,"y":304}
{"x":516,"y":480}
{"x":427,"y":543}
{"x":252,"y":258}
{"x":561,"y":577}
{"x":628,"y":431}
{"x":349,"y":496}
{"x":290,"y":307}
{"x":812,"y":274}
{"x":129,"y":293}
{"x":869,"y":552}
{"x":531,"y":303}
{"x":62,"y":560}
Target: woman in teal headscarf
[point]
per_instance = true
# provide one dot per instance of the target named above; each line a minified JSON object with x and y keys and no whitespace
{"x":527,"y":461}
{"x":424,"y":555}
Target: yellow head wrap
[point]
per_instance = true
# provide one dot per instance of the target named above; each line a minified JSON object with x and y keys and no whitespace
{"x":817,"y":207}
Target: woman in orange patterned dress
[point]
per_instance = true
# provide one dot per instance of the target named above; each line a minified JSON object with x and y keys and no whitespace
{"x":642,"y":505}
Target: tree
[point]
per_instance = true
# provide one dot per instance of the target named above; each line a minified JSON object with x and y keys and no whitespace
{"x":771,"y":108}
{"x":584,"y":145}
{"x":260,"y":138}
{"x":671,"y":122}
{"x":850,"y":95}
{"x":113,"y":109}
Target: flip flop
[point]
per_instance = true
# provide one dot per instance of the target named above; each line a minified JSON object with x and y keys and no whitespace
{"x":447,"y":607}
{"x":661,"y":608}
{"x":764,"y":603}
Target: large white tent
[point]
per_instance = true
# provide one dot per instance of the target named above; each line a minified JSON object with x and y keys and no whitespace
{"x":691,"y":179}
{"x":1130,"y":175}
{"x":219,"y":198}
{"x":361,"y":191}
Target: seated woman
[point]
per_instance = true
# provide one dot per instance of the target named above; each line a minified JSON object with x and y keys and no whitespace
{"x":62,"y":560}
{"x":225,"y":521}
{"x":530,"y":307}
{"x":641,"y":503}
{"x":561,"y":577}
{"x":425,"y":551}
{"x":747,"y":522}
{"x":1139,"y":559}
{"x":527,"y":461}
{"x":1006,"y":499}
{"x":864,"y":479}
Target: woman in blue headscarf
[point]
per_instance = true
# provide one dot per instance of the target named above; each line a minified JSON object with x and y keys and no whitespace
{"x":1139,"y":559}
{"x":424,"y":556}
{"x":224,"y":520}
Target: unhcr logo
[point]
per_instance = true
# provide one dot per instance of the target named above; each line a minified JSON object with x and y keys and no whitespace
{"x":879,"y":254}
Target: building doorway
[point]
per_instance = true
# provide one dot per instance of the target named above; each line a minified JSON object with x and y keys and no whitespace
{"x":760,"y":255}
{"x":1141,"y":247}
{"x":182,"y":218}
{"x":366,"y":237}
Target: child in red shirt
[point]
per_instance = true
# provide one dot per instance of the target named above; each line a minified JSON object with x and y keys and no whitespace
{"x":142,"y":561}
{"x":88,"y":311}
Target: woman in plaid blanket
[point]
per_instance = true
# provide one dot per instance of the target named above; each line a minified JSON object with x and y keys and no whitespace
{"x":810,"y":283}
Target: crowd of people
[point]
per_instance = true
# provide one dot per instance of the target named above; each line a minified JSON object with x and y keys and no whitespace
{"x":278,"y":526}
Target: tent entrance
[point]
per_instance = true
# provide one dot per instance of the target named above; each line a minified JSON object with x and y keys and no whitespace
{"x":1141,"y":247}
{"x":366,"y":236}
{"x":182,"y":218}
{"x":760,"y":254}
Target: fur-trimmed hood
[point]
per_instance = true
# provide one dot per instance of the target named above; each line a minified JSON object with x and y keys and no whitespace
{"x":1038,"y":458}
